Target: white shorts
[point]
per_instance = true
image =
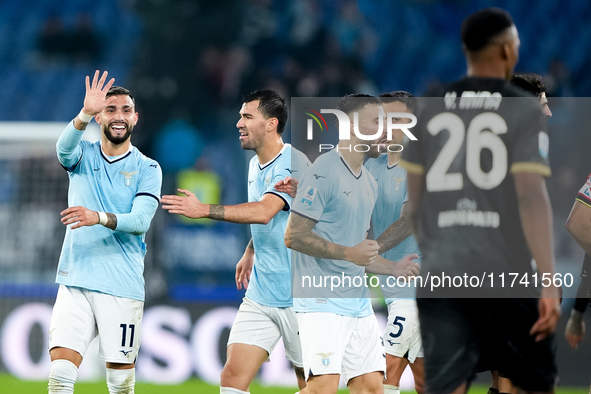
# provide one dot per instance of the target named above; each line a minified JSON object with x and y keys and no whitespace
{"x":343,"y":345}
{"x":402,"y":337}
{"x":262,"y":326}
{"x":80,"y":315}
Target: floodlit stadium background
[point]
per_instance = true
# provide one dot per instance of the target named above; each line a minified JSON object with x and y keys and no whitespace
{"x":187,"y":64}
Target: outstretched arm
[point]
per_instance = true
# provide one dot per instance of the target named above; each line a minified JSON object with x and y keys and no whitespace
{"x":259,"y":212}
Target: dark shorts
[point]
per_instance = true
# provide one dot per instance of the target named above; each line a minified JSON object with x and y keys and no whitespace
{"x":462,"y":335}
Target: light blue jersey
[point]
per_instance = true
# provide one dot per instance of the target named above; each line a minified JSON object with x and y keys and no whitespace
{"x":391,"y":195}
{"x":270,"y":280}
{"x":95,"y":257}
{"x":341,"y":203}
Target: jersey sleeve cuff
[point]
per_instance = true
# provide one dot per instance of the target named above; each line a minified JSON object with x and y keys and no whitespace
{"x":286,"y":207}
{"x":412,"y":168}
{"x":536,"y":168}
{"x":312,"y":218}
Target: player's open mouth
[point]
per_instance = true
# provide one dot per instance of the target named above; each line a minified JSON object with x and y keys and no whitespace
{"x":118,"y":127}
{"x":243,"y":135}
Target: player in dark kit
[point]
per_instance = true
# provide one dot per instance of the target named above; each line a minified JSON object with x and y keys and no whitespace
{"x":478,"y":200}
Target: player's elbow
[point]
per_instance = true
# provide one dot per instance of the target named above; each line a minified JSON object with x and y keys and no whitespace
{"x":287,"y":242}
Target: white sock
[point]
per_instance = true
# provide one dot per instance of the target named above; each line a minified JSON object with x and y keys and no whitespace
{"x":230,"y":390}
{"x":121,"y":381}
{"x":62,"y":376}
{"x":391,"y":389}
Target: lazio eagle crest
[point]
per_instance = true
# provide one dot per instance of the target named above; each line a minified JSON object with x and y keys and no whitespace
{"x":128,"y":177}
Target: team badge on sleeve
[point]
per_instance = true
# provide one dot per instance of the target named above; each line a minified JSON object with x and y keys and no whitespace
{"x":309,"y":196}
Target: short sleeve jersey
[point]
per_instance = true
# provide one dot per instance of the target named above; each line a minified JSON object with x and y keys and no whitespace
{"x":472,"y":136}
{"x":340,"y":202}
{"x":270,"y":281}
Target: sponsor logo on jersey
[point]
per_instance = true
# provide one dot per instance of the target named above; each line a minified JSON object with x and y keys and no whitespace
{"x":125,"y":353}
{"x":466,"y":214}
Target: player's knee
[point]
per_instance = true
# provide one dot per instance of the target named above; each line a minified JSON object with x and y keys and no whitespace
{"x":62,"y":376}
{"x":121,"y":381}
{"x":229,"y":374}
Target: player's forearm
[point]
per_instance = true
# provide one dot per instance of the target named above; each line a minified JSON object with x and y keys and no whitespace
{"x":314,"y":245}
{"x":536,"y":219}
{"x":395,"y":234}
{"x":580,"y":228}
{"x":68,"y":145}
{"x":381,"y":266}
{"x":136,"y":222}
{"x":247,"y":213}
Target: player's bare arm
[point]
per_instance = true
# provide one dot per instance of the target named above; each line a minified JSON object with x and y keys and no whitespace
{"x":536,"y":219}
{"x":579,"y":225}
{"x":288,"y":185}
{"x":415,"y":184}
{"x":405,"y":267}
{"x":244,"y":267}
{"x":81,"y":216}
{"x":397,"y":232}
{"x":95,"y":100}
{"x":300,"y":237}
{"x":259,"y":212}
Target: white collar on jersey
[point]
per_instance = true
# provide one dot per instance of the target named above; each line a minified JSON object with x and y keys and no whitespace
{"x":276,"y":156}
{"x":114,"y":158}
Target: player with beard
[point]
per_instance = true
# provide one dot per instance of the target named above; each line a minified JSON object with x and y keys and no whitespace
{"x":113,"y":195}
{"x":266,"y":314}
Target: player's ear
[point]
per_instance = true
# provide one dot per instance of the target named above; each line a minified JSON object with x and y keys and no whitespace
{"x":272,"y":124}
{"x":97,"y":118}
{"x":137,"y":116}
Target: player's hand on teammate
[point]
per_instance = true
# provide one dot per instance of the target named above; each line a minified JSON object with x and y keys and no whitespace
{"x":243,"y":270}
{"x":549,"y":309}
{"x":363,"y":253}
{"x":187,"y":205}
{"x":407,"y":267}
{"x":288,"y":185}
{"x":79,"y":216}
{"x":575,"y":329}
{"x":95,"y":100}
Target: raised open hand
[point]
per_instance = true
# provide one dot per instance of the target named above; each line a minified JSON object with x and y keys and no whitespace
{"x":95,"y":99}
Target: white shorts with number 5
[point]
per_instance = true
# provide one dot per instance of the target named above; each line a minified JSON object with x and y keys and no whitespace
{"x":402,"y":337}
{"x":79,"y":315}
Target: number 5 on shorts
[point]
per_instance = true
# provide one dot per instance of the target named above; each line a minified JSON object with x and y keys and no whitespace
{"x":398,"y":323}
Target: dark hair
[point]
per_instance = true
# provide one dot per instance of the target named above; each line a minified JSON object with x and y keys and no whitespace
{"x":354,"y":102}
{"x":479,"y":29}
{"x":529,"y":82}
{"x":402,"y":96}
{"x":120,"y":91}
{"x":271,"y":105}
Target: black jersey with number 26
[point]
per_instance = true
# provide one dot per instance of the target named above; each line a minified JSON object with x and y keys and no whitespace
{"x":472,"y":136}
